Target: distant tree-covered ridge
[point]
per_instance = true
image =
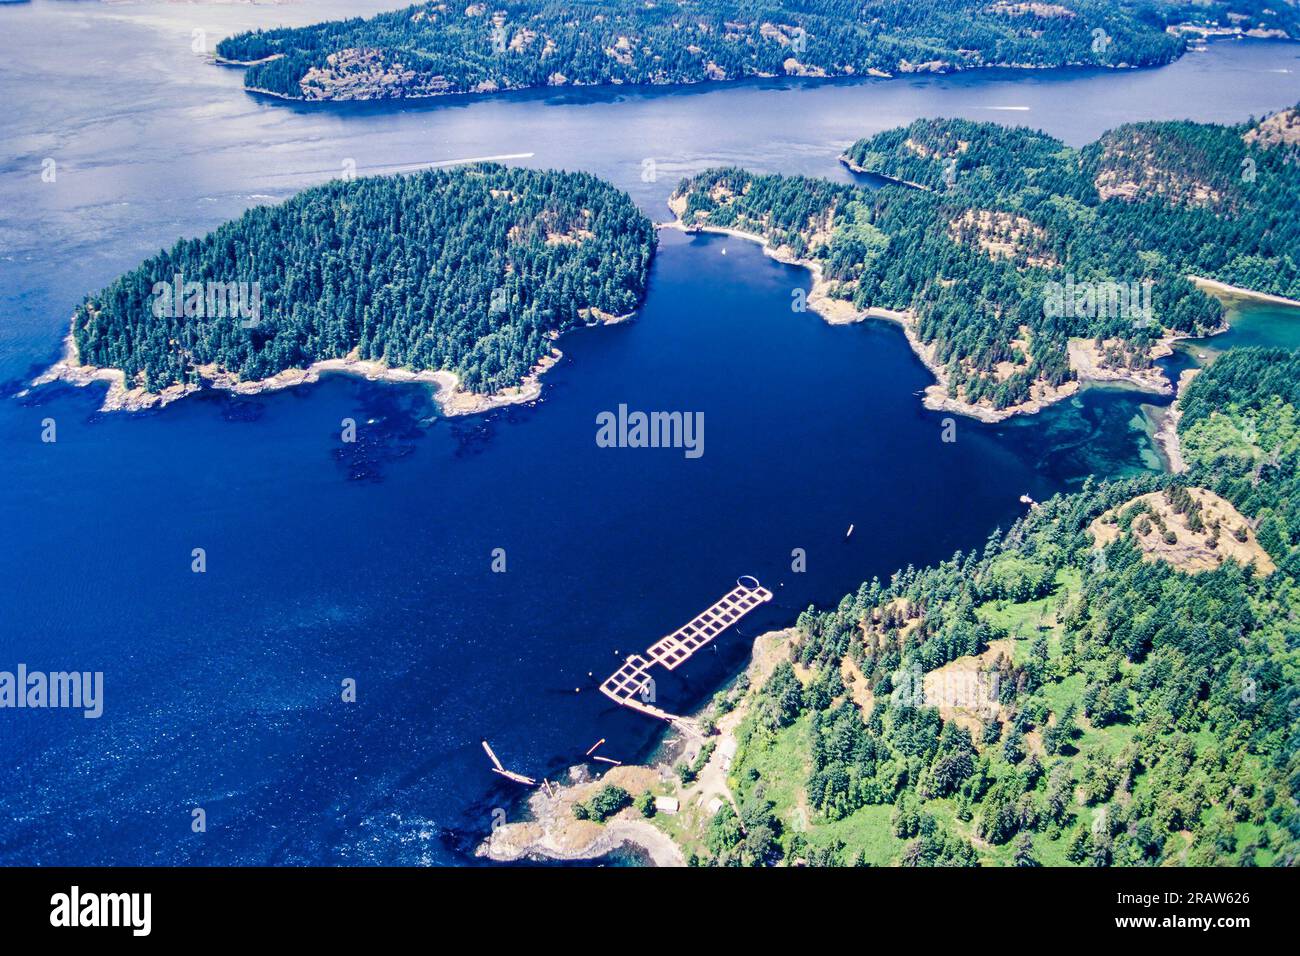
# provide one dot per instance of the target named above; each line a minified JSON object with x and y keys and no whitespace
{"x":1047,"y":700}
{"x":471,"y":270}
{"x":444,"y":47}
{"x":1008,"y":243}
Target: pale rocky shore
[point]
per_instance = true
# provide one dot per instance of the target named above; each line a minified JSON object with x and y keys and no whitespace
{"x":550,"y":831}
{"x":69,"y":368}
{"x":1086,"y":360}
{"x":862,"y":170}
{"x":1085,"y":357}
{"x":833,"y":310}
{"x":223,"y":61}
{"x":1166,"y":435}
{"x":351,"y":77}
{"x":554,"y":833}
{"x":451,"y":398}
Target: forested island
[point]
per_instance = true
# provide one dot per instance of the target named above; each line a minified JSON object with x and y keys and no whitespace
{"x":472,"y":272}
{"x":1112,"y":682}
{"x":1019,"y":265}
{"x":438,"y":48}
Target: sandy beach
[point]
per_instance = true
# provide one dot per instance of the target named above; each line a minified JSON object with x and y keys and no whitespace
{"x":1227,"y":293}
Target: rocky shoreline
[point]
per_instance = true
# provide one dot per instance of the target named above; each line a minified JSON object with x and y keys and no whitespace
{"x":1166,"y":435}
{"x":450,"y":397}
{"x":550,"y":831}
{"x":838,"y":311}
{"x":862,"y":170}
{"x":1086,"y":362}
{"x":835,"y":311}
{"x":223,"y":61}
{"x":387,"y":91}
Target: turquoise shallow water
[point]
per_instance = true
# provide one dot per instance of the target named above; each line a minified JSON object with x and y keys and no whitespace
{"x":373,"y":561}
{"x":1253,"y":323}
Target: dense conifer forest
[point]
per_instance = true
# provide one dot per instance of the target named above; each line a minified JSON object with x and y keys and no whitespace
{"x":985,"y":217}
{"x":444,"y":47}
{"x":469,"y":270}
{"x":1141,"y":714}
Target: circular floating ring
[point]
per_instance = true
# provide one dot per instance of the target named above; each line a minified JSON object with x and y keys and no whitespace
{"x":743,"y":580}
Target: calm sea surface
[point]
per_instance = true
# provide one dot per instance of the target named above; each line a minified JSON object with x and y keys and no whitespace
{"x":373,"y":561}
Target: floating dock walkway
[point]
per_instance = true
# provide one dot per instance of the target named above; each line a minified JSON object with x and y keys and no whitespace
{"x":626,"y":685}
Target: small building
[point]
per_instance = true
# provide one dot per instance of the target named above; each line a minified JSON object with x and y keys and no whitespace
{"x":667,"y":805}
{"x":727,"y":750}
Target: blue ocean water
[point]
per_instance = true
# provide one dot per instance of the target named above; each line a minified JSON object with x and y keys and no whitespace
{"x":372,"y":561}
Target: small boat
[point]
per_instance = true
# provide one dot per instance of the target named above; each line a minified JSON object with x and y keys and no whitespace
{"x":724,"y":250}
{"x":848,"y":534}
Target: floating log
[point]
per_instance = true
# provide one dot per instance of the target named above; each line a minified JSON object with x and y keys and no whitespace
{"x":492,"y":756}
{"x":595,"y":745}
{"x":508,"y":774}
{"x":516,"y":777}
